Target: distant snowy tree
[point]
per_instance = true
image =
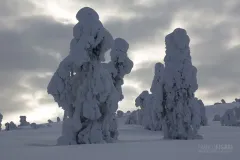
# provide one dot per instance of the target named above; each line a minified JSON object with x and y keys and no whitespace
{"x":58,"y":119}
{"x":50,"y":121}
{"x":1,"y":117}
{"x":181,"y":116}
{"x":149,"y":112}
{"x":223,"y":101}
{"x":229,"y":118}
{"x":204,"y":120}
{"x":157,"y":92}
{"x":23,"y":121}
{"x":120,"y":113}
{"x":128,"y":112}
{"x":135,"y":117}
{"x":10,"y":126}
{"x":237,"y":100}
{"x":217,"y":117}
{"x":83,"y":87}
{"x":34,"y":126}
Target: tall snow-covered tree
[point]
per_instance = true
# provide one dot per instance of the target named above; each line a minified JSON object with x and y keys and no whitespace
{"x":81,"y":85}
{"x":23,"y":121}
{"x":157,"y":92}
{"x":118,"y":67}
{"x":1,"y":117}
{"x":180,"y":112}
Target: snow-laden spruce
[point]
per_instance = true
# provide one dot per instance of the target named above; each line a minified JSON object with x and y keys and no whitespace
{"x":231,"y":117}
{"x":204,"y":120}
{"x":150,"y":118}
{"x":81,"y":85}
{"x":157,"y":93}
{"x":1,"y":117}
{"x":181,"y":113}
{"x":118,"y":67}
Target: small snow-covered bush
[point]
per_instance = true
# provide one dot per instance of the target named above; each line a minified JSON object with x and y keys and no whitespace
{"x":120,"y":113}
{"x":217,"y":103}
{"x":50,"y":121}
{"x":217,"y":117}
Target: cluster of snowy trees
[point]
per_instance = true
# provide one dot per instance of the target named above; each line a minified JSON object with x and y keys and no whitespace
{"x":23,"y":123}
{"x":172,"y":106}
{"x":135,"y":117}
{"x":231,"y":117}
{"x":87,"y":89}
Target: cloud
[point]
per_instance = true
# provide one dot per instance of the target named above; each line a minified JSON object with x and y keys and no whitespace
{"x":35,"y":36}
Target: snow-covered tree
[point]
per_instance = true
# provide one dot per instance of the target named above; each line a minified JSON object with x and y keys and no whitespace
{"x":223,"y":101}
{"x":204,"y":120}
{"x":58,"y":119}
{"x":135,"y":117}
{"x":229,"y":118}
{"x":118,"y":67}
{"x":50,"y":121}
{"x":83,"y":87}
{"x":181,"y":116}
{"x":120,"y":113}
{"x":34,"y":125}
{"x":217,"y":117}
{"x":147,"y":104}
{"x":1,"y":117}
{"x":23,"y":121}
{"x":10,"y":126}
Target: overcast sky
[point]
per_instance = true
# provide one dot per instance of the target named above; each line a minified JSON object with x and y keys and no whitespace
{"x":35,"y":36}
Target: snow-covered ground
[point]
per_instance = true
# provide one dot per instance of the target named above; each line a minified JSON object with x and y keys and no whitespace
{"x":135,"y":143}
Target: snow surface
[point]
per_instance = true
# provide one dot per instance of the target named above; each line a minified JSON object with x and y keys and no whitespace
{"x":135,"y":143}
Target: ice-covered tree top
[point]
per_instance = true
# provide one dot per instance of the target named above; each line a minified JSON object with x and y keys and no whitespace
{"x":158,"y":78}
{"x":178,"y":65}
{"x":122,"y":64}
{"x":1,"y":116}
{"x":91,"y":40}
